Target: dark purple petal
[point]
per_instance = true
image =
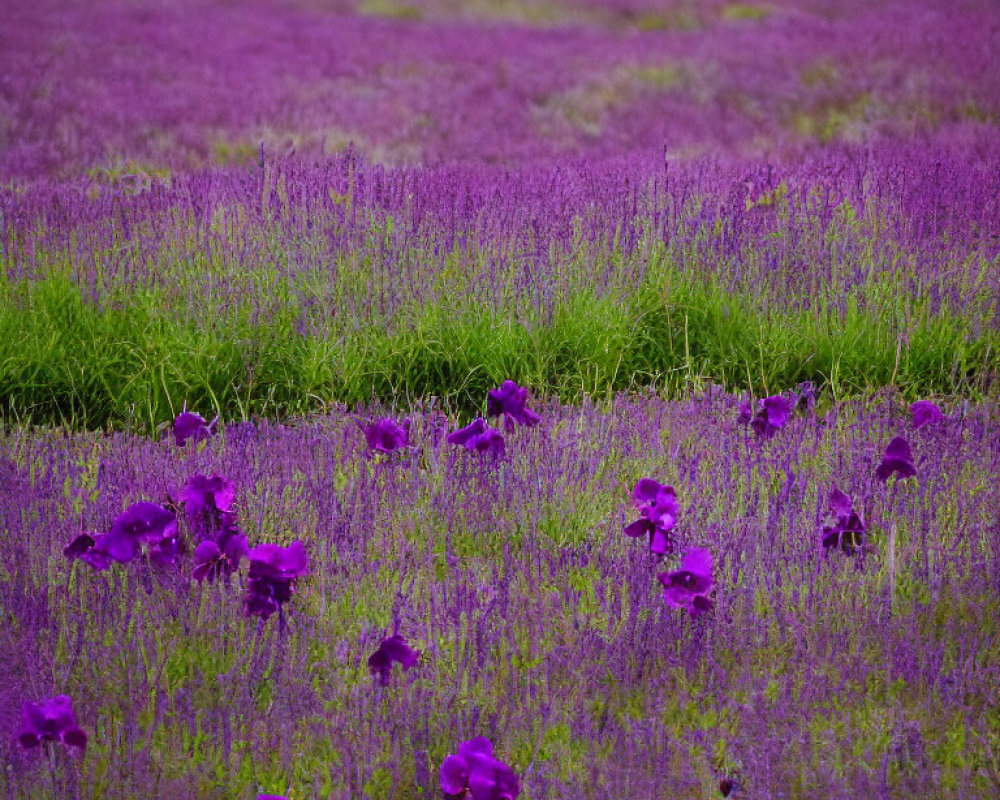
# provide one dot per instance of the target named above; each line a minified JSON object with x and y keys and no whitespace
{"x":491,"y":779}
{"x":477,"y":745}
{"x":646,"y":491}
{"x":511,"y":399}
{"x":641,"y":527}
{"x":840,"y":503}
{"x":659,"y":542}
{"x":203,"y":494}
{"x":144,"y":522}
{"x":471,"y":431}
{"x":454,"y":775}
{"x":275,"y":561}
{"x":925,"y":413}
{"x":392,"y":649}
{"x":190,"y":425}
{"x":80,"y":545}
{"x":50,"y":720}
{"x":75,"y":737}
{"x":898,"y":459}
{"x":387,"y":435}
{"x":698,"y":562}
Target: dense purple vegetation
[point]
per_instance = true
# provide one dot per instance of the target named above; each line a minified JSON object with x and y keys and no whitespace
{"x":539,"y":624}
{"x":790,"y":593}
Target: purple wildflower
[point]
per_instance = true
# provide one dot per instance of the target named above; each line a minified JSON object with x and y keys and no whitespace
{"x":690,"y":586}
{"x":190,"y":425}
{"x":898,"y":458}
{"x":272,"y":570}
{"x":658,"y":505}
{"x":208,"y":502}
{"x":475,"y":772}
{"x":847,"y":528}
{"x":142,"y":526}
{"x":392,"y":649}
{"x":773,"y":413}
{"x":271,"y":797}
{"x":51,"y":720}
{"x":213,"y":559}
{"x":386,"y":435}
{"x":510,"y":400}
{"x":479,"y":437}
{"x":89,"y":548}
{"x":925,"y":413}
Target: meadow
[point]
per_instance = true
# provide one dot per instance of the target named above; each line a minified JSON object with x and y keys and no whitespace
{"x":531,"y":399}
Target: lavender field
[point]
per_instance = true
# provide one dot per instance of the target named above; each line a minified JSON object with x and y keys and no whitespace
{"x":536,"y":399}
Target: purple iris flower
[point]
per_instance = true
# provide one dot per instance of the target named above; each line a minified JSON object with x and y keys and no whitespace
{"x":898,"y":459}
{"x":215,"y":558}
{"x":848,"y":528}
{"x":475,"y":772}
{"x":392,"y":649}
{"x":386,"y":435}
{"x":658,"y":505}
{"x":773,"y":413}
{"x":142,"y":525}
{"x":51,"y":720}
{"x":690,"y":586}
{"x":272,"y":570}
{"x":190,"y":425}
{"x":208,"y":502}
{"x":925,"y":413}
{"x":479,"y":437}
{"x":510,"y":400}
{"x":89,"y":548}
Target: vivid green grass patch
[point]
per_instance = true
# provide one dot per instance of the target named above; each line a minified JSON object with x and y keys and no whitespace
{"x":67,"y":360}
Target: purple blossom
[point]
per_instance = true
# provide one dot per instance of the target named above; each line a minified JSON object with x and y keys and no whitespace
{"x":190,"y":425}
{"x":847,"y":528}
{"x":479,"y":437}
{"x":51,"y":720}
{"x":658,"y":505}
{"x":272,"y":570}
{"x":690,"y":586}
{"x":89,"y":548}
{"x":208,"y":503}
{"x":475,"y":772}
{"x":386,"y":435}
{"x":213,"y":559}
{"x":898,"y":459}
{"x":925,"y":413}
{"x":772,"y":415}
{"x":510,"y":400}
{"x":394,"y":648}
{"x":142,"y":526}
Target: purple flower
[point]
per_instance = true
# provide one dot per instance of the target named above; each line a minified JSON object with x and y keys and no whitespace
{"x":658,"y":505}
{"x":141,"y":525}
{"x":208,"y":503}
{"x":847,"y":528}
{"x":386,"y":435}
{"x":773,"y":413}
{"x":392,"y":649}
{"x":474,"y":771}
{"x":190,"y":425}
{"x":89,"y":548}
{"x":898,"y":458}
{"x":51,"y":720}
{"x":272,"y":570}
{"x":690,"y":586}
{"x":510,"y":400}
{"x":213,"y":559}
{"x":925,"y":413}
{"x":479,"y":437}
